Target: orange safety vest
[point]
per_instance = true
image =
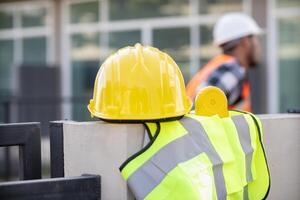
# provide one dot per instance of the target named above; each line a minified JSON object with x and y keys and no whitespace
{"x":204,"y":73}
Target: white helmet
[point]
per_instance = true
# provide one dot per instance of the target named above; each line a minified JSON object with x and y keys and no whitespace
{"x":232,"y":26}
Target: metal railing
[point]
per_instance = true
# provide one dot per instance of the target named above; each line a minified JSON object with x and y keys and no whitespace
{"x":15,"y":109}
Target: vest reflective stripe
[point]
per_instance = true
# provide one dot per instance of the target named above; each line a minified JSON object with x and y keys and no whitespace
{"x":245,"y":193}
{"x":245,"y":141}
{"x":258,"y":189}
{"x":194,"y":128}
{"x":145,"y":179}
{"x":171,"y":131}
{"x":220,"y":138}
{"x":186,"y":148}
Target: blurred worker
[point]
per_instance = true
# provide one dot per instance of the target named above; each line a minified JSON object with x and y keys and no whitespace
{"x":236,"y":34}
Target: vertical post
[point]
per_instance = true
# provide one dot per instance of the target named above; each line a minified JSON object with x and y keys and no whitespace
{"x":258,"y":75}
{"x":27,"y":137}
{"x":6,"y":105}
{"x":30,"y":155}
{"x":7,"y":154}
{"x":56,"y":149}
{"x":272,"y":69}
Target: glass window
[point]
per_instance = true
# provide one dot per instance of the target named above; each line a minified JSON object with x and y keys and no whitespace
{"x":32,"y":17}
{"x":85,"y":55}
{"x":207,"y":49}
{"x":6,"y":19}
{"x":219,"y":6}
{"x":34,"y":50}
{"x":85,"y":12}
{"x":289,"y":62}
{"x":85,"y":46}
{"x":6,"y":60}
{"x":288,"y":3}
{"x":84,"y":74}
{"x":121,"y":39}
{"x":131,"y":9}
{"x":176,"y":42}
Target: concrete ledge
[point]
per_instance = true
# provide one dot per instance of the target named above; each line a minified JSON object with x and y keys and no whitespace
{"x":100,"y":148}
{"x":282,"y":145}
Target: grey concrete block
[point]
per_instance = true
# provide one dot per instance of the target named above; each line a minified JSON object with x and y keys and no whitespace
{"x":100,"y":148}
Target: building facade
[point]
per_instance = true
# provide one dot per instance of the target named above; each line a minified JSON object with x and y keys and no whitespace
{"x":77,"y":35}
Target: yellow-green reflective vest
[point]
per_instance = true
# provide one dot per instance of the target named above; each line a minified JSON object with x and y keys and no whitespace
{"x":201,"y":158}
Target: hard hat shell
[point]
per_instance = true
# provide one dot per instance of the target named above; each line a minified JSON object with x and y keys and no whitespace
{"x":232,"y":26}
{"x":139,"y":83}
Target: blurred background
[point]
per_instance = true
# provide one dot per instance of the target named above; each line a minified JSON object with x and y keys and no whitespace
{"x":51,"y":50}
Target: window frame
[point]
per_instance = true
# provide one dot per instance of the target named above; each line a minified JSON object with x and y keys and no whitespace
{"x":17,"y":33}
{"x":275,"y":13}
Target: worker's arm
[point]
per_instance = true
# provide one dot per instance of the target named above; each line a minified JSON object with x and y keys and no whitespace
{"x":229,"y":78}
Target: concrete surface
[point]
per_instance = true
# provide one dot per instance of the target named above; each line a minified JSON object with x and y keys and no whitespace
{"x":100,"y":148}
{"x":282,"y":145}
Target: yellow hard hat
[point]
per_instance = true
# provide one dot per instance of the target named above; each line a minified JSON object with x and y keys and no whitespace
{"x":211,"y":101}
{"x":139,"y":83}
